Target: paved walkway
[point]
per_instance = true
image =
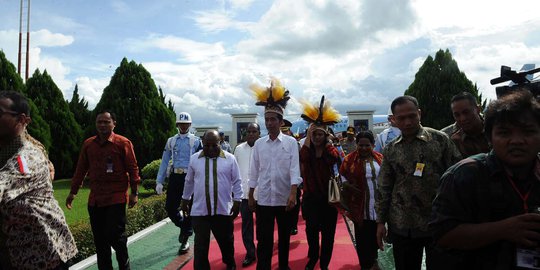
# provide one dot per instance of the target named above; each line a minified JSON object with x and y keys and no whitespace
{"x":156,"y":250}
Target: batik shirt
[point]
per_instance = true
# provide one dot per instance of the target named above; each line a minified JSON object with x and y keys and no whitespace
{"x":404,"y":200}
{"x":34,"y":233}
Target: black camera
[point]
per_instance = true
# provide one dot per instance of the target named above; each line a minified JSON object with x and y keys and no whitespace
{"x":520,"y":81}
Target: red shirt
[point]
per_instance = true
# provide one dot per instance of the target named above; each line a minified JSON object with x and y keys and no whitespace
{"x":111,"y":167}
{"x":316,"y":172}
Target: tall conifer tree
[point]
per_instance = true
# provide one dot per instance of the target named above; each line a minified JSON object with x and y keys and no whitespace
{"x":79,"y":108}
{"x":142,"y":115}
{"x":66,"y":132}
{"x":10,"y":80}
{"x":434,"y":85}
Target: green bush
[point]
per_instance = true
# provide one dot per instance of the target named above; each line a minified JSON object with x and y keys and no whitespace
{"x":149,"y":184}
{"x":147,"y":212}
{"x":150,"y":171}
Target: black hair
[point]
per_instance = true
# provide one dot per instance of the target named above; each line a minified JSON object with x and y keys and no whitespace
{"x":113,"y":115}
{"x":20,"y":102}
{"x":255,"y":125}
{"x":365,"y":134}
{"x":511,"y":108}
{"x":464,"y":96}
{"x":402,"y":100}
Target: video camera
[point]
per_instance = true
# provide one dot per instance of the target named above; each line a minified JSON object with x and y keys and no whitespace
{"x":519,"y":82}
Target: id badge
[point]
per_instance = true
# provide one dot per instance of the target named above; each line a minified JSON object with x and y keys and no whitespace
{"x":419,"y":169}
{"x":528,"y":258}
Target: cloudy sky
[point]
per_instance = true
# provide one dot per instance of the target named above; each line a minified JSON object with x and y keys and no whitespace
{"x":204,"y":54}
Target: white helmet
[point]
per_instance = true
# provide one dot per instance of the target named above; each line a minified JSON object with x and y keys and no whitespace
{"x":183,"y":118}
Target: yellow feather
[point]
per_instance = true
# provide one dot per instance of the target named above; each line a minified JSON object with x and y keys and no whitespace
{"x":278,"y":91}
{"x":261,"y":93}
{"x":310,"y":110}
{"x":330,"y":114}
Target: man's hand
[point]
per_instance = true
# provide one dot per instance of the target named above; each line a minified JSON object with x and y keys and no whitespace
{"x":381,"y":233}
{"x":133,"y":199}
{"x":159,"y":188}
{"x":235,"y":210}
{"x":184,"y":207}
{"x":291,"y":202}
{"x":522,"y":230}
{"x":69,"y":200}
{"x":252,"y":204}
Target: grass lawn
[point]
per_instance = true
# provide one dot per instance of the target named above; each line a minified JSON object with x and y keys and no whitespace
{"x":79,"y":210}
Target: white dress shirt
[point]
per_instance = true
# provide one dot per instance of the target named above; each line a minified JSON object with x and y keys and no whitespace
{"x":242,"y":153}
{"x":229,"y":183}
{"x":274,"y":168}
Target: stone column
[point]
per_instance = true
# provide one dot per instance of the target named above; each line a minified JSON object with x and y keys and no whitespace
{"x":240,"y":122}
{"x":361,"y":120}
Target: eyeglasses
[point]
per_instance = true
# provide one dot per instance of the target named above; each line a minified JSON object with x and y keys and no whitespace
{"x":2,"y":112}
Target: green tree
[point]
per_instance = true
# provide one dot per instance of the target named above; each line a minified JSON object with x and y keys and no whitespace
{"x":434,"y":85}
{"x":142,"y":116}
{"x":79,"y":107}
{"x":10,"y":80}
{"x":66,"y":132}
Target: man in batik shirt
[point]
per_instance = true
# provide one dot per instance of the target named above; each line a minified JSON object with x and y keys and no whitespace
{"x":33,"y":230}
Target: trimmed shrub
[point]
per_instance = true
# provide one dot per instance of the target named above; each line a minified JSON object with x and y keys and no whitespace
{"x":150,"y":171}
{"x":146,"y":213}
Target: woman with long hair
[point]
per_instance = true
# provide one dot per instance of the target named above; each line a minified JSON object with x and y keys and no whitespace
{"x":359,"y":173}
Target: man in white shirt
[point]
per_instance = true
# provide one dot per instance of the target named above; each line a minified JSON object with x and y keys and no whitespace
{"x":275,"y":171}
{"x":213,"y":178}
{"x":242,"y":153}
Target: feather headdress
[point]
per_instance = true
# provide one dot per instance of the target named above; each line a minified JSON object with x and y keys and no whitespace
{"x":273,"y":98}
{"x":323,"y":115}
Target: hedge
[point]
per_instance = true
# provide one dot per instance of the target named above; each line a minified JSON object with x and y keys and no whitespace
{"x":146,"y":213}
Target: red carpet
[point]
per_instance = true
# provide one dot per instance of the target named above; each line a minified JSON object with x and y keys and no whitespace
{"x":344,"y":255}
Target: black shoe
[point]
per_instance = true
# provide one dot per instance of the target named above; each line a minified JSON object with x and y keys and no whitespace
{"x":184,"y":245}
{"x":311,"y":264}
{"x":248,"y":261}
{"x":294,"y":231}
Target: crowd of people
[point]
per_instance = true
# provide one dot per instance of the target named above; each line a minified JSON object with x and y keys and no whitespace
{"x":468,"y":196}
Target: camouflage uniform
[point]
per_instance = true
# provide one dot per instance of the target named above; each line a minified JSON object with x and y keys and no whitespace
{"x":348,"y":146}
{"x":404,"y":200}
{"x":449,"y":130}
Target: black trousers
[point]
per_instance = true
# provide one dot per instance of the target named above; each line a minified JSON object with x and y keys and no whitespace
{"x":266,"y":215}
{"x":296,"y":210}
{"x":109,"y":227}
{"x":320,"y":218}
{"x":366,"y":243}
{"x":408,"y":252}
{"x":222,"y":228}
{"x":172,"y":203}
{"x":247,"y":229}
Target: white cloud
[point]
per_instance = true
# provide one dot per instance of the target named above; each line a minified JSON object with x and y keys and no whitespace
{"x":90,"y":89}
{"x":188,"y":50}
{"x":241,"y":4}
{"x":44,"y":38}
{"x":219,"y":20}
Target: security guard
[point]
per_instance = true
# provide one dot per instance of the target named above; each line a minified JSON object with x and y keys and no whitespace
{"x":178,"y":150}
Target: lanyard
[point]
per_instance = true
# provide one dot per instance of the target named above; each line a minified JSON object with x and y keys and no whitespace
{"x":523,"y":197}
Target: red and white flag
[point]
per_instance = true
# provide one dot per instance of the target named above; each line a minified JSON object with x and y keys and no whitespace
{"x":23,"y":165}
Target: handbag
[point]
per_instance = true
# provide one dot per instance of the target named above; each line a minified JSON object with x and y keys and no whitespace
{"x":334,"y":189}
